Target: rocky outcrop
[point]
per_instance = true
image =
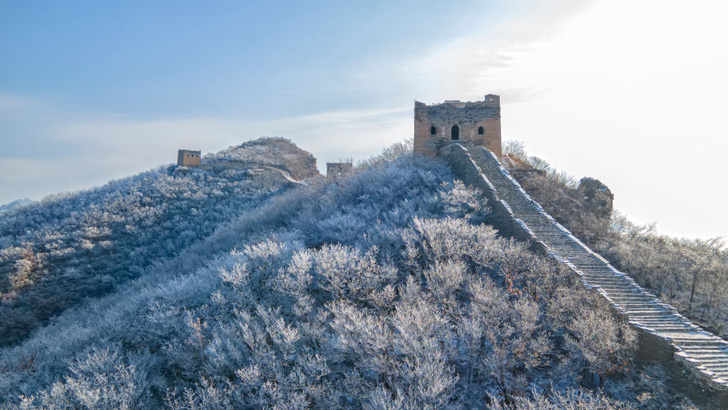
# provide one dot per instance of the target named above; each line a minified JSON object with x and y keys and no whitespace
{"x":596,"y":197}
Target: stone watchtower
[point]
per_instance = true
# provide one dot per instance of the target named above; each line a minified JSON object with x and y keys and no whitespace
{"x":338,"y":169}
{"x":477,"y":122}
{"x":187,"y":158}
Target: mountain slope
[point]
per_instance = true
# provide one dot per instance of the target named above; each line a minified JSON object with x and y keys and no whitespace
{"x":73,"y":246}
{"x":380,"y":290}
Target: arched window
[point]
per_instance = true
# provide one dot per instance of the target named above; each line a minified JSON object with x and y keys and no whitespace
{"x":433,"y":130}
{"x":455,"y":132}
{"x":480,"y":130}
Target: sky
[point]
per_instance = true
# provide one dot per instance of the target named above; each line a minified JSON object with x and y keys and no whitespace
{"x":629,"y":92}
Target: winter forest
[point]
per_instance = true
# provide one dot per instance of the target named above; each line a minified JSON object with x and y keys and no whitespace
{"x":227,"y":286}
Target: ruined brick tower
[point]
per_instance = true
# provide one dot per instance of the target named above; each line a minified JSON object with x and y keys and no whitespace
{"x":476,"y":122}
{"x":187,"y":158}
{"x":338,"y":169}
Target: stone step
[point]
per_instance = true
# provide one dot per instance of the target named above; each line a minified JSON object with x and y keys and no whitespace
{"x":716,"y":365}
{"x":656,"y":310}
{"x":629,"y":305}
{"x":625,"y":296}
{"x":621,"y":292}
{"x":655,"y":319}
{"x":597,"y":272}
{"x":719,"y":370}
{"x":615,"y":287}
{"x":617,"y":290}
{"x":639,"y":313}
{"x":658,"y":318}
{"x":667,"y":326}
{"x":659,"y":322}
{"x":630,"y":296}
{"x":664,"y":330}
{"x":694,"y":343}
{"x":708,"y":361}
{"x":642,"y":310}
{"x":617,"y":282}
{"x":672,"y":332}
{"x":706,"y":348}
{"x":622,"y":301}
{"x":709,"y":354}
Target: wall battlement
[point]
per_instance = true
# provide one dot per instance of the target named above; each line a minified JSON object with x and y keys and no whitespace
{"x":474,"y":122}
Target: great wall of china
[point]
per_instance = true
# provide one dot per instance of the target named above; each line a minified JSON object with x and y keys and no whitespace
{"x":694,"y":356}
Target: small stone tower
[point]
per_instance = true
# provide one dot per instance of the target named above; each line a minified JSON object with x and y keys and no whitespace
{"x":477,"y":122}
{"x":338,"y":169}
{"x":187,"y":158}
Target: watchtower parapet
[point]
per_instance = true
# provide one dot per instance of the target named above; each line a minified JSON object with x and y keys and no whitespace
{"x":475,"y":122}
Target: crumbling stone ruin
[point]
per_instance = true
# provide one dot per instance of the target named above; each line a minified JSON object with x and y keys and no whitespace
{"x":187,"y":158}
{"x":338,"y":169}
{"x":477,"y":123}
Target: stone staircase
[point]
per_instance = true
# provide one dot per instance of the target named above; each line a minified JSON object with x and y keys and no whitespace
{"x":703,"y":353}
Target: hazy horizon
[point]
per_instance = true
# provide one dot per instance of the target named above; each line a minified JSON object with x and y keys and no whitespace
{"x":629,"y":93}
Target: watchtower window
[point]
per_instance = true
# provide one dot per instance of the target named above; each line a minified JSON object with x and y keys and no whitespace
{"x":433,"y":130}
{"x":480,"y":130}
{"x":455,"y":132}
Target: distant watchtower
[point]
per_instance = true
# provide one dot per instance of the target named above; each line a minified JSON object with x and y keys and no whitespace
{"x":477,"y":122}
{"x":187,"y":158}
{"x":338,"y":169}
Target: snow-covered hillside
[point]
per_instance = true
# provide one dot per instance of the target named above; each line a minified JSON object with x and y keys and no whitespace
{"x":383,"y":289}
{"x":66,"y":248}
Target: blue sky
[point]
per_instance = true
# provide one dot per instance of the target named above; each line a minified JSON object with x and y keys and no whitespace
{"x":629,"y":92}
{"x":183,"y":58}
